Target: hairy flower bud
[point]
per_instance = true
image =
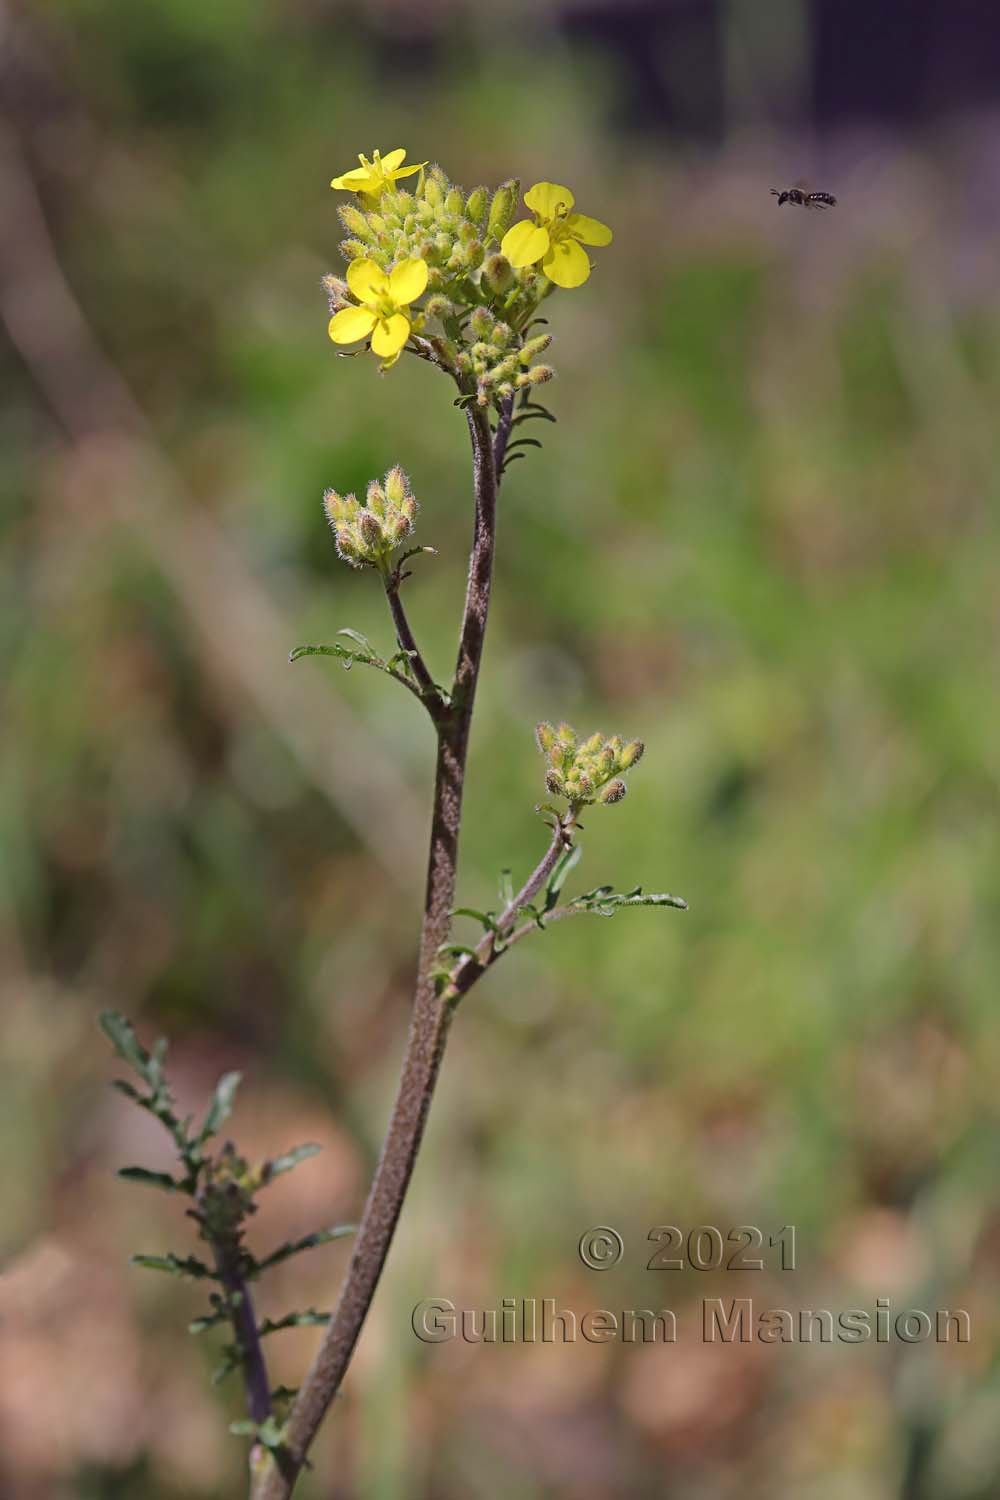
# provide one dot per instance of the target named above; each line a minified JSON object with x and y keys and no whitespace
{"x":337,"y":293}
{"x":498,"y":273}
{"x":475,"y":204}
{"x":614,"y":791}
{"x":546,"y":736}
{"x":396,"y":488}
{"x":502,"y":209}
{"x":631,"y":755}
{"x":356,"y":223}
{"x":554,"y":783}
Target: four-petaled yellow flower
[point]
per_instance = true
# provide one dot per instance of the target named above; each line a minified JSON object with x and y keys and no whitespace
{"x":383,"y":299}
{"x":373,"y":177}
{"x":555,"y":236}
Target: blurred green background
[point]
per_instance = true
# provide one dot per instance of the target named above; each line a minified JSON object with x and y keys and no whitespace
{"x":763,"y":536}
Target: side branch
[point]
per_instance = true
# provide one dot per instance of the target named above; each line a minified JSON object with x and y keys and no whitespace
{"x":429,"y":692}
{"x":495,"y":943}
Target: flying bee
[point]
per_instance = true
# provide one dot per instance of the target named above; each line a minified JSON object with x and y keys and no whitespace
{"x":801,"y":196}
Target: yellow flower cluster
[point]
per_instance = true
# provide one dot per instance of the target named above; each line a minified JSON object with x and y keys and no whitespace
{"x":436,"y":239}
{"x":588,"y":772}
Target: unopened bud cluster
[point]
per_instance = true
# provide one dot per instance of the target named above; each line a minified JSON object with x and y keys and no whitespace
{"x":366,"y":535}
{"x":437,"y":223}
{"x":501,"y":363}
{"x":586,"y":772}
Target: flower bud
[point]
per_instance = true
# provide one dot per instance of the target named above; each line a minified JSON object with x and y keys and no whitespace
{"x":545,"y":735}
{"x":355,"y":222}
{"x":375,"y":499}
{"x":566,"y":735}
{"x":480,"y":323}
{"x":370,"y":530}
{"x":438,"y":307}
{"x":540,"y":374}
{"x":353,"y":249}
{"x":396,"y":487}
{"x":453,"y":202}
{"x":498,"y":273}
{"x":338,"y":507}
{"x":337,"y":292}
{"x":554,"y":783}
{"x":614,"y":791}
{"x":531,"y":347}
{"x":593,"y":744}
{"x":631,"y":755}
{"x":475,"y":206}
{"x":502,"y":209}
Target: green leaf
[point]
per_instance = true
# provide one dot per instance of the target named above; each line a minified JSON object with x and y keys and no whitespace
{"x":122,"y":1037}
{"x":487,"y":918}
{"x":564,"y":864}
{"x":341,"y":652}
{"x":270,"y":1434}
{"x":174,"y":1266}
{"x":361,"y":641}
{"x":221,"y":1106}
{"x":210,"y":1320}
{"x":290,"y":1159}
{"x":161,"y":1180}
{"x":603,"y":901}
{"x":456,"y":950}
{"x":307,"y":1319}
{"x":307,"y":1242}
{"x":129,"y":1092}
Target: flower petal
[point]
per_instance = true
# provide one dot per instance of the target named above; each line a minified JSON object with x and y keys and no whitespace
{"x":408,"y":171}
{"x":408,"y":281}
{"x":351,"y":324}
{"x":567,"y":264}
{"x":524,"y":243}
{"x":367,"y":280}
{"x":353,"y":181}
{"x":590,"y":231}
{"x":392,"y":159}
{"x":391,"y":334}
{"x":547,"y":199}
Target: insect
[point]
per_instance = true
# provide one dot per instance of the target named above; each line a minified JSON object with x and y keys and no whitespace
{"x":803,"y":198}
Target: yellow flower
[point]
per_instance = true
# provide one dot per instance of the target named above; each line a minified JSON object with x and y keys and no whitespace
{"x":554,"y":236}
{"x":373,"y":177}
{"x":382,"y":298}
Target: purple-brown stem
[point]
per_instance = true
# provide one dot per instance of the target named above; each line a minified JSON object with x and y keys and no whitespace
{"x":432,"y":1007}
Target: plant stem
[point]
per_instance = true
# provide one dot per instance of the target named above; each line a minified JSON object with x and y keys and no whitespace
{"x":244,"y":1323}
{"x":432,"y":1011}
{"x":465,"y":976}
{"x":429,"y":694}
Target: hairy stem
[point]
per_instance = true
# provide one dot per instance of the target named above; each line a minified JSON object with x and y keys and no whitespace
{"x":432,"y":1010}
